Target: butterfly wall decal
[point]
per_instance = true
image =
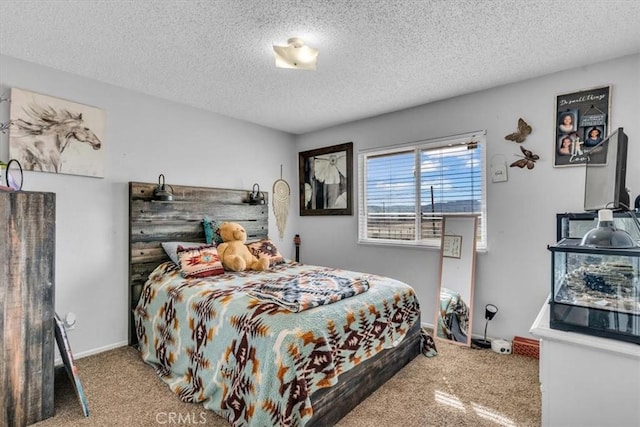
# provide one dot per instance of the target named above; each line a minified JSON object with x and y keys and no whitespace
{"x":523,"y":131}
{"x":528,"y":160}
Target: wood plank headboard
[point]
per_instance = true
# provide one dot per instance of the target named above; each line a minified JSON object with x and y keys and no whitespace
{"x":152,"y":222}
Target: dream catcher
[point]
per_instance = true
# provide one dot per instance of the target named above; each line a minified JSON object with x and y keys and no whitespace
{"x":281,"y":198}
{"x":521,"y":134}
{"x":528,"y":160}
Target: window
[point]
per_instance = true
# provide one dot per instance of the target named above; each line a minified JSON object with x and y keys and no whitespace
{"x":405,"y":190}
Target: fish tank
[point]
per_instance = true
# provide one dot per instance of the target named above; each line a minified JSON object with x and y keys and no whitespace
{"x":595,"y":291}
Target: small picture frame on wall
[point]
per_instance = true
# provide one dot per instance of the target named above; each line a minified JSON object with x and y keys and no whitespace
{"x":326,"y":180}
{"x":451,"y":246}
{"x":582,"y":120}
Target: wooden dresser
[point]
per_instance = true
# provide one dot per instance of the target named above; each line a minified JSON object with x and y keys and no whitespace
{"x":27,"y":273}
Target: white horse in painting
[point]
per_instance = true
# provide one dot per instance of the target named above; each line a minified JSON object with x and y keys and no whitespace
{"x":39,"y":141}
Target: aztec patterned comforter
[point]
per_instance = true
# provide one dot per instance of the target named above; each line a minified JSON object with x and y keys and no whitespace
{"x":253,"y":361}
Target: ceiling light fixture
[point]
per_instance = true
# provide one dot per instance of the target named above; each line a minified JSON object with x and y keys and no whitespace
{"x":296,"y":55}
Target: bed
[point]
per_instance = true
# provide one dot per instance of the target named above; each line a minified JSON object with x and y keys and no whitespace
{"x":249,"y":358}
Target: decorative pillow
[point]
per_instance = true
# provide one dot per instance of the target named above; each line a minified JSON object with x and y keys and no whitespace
{"x":202,"y":261}
{"x":171,"y":248}
{"x":211,"y":234}
{"x":266,"y":247}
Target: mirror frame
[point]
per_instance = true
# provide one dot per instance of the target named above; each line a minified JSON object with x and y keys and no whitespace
{"x":457,"y":263}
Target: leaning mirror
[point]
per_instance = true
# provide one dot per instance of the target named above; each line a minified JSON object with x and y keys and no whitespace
{"x":457,"y":275}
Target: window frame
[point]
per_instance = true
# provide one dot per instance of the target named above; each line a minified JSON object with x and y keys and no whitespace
{"x":417,"y":147}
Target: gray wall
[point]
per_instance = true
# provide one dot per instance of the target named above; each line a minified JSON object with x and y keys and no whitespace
{"x":147,"y":136}
{"x":515,"y":272}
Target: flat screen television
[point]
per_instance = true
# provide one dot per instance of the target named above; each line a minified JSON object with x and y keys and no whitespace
{"x":606,"y":171}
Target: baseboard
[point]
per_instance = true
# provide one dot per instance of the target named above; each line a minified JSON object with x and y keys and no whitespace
{"x":76,"y":356}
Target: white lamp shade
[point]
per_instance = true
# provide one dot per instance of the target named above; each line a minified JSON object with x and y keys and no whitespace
{"x":296,"y":55}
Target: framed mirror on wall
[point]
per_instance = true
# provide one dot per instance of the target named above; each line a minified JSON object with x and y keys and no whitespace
{"x":454,"y":308}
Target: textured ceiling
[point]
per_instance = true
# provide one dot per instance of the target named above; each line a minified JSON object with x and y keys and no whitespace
{"x":375,"y":56}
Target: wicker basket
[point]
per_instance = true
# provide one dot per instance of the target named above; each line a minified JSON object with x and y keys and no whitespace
{"x":526,"y":347}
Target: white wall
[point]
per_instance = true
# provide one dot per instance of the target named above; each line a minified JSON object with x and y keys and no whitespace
{"x":145,"y":136}
{"x":515,"y":272}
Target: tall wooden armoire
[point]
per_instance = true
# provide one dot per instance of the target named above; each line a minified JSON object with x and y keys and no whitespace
{"x":27,"y":277}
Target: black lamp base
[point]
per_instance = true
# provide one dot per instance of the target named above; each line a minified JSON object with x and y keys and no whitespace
{"x":481,"y":343}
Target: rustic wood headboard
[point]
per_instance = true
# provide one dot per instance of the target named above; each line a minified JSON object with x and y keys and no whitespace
{"x":152,"y":222}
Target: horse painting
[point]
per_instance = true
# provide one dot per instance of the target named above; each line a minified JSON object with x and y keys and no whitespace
{"x":44,"y":136}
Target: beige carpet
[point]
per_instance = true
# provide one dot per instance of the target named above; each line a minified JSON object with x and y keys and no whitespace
{"x":459,"y":387}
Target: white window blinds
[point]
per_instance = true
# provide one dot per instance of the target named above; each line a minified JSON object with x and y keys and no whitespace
{"x":404,"y":191}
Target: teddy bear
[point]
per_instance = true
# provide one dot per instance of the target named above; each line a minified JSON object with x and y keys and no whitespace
{"x":233,"y":252}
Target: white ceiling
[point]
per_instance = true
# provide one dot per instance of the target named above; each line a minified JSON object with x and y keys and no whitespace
{"x":375,"y":56}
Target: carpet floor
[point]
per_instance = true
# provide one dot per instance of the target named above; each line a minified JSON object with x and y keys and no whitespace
{"x":458,"y":387}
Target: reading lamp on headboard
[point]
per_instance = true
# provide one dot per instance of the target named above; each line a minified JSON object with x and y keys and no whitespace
{"x":161,"y":192}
